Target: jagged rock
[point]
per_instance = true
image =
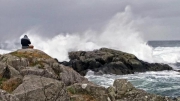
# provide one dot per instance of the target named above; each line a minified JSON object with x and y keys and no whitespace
{"x":110,"y":61}
{"x":125,"y":91}
{"x":37,"y":88}
{"x":24,"y":58}
{"x":122,"y":86}
{"x":122,"y":90}
{"x":9,"y":77}
{"x":38,"y":72}
{"x":87,"y":92}
{"x":17,"y":62}
{"x":7,"y":71}
{"x":36,"y":62}
{"x":112,"y":93}
{"x":68,"y":75}
{"x":4,"y":96}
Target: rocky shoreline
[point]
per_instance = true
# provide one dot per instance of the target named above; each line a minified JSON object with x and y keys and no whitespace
{"x":109,"y":61}
{"x":32,"y":75}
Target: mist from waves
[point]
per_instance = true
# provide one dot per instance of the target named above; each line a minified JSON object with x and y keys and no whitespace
{"x":167,"y":52}
{"x":120,"y":33}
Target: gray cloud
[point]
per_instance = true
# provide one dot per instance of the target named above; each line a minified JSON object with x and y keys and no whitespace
{"x":161,"y":18}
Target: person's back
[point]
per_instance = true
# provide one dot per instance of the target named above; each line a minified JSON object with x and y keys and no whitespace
{"x":25,"y":42}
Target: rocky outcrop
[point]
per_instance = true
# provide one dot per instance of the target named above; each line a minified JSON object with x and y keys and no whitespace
{"x":32,"y":75}
{"x":88,"y":92}
{"x":122,"y":90}
{"x":125,"y":91}
{"x":110,"y":61}
{"x":37,"y":88}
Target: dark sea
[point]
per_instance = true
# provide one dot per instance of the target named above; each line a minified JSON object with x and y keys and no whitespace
{"x":166,"y":83}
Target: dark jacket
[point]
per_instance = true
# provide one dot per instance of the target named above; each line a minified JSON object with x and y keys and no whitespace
{"x":25,"y":41}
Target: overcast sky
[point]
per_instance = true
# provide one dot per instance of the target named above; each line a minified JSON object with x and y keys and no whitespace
{"x":160,"y":19}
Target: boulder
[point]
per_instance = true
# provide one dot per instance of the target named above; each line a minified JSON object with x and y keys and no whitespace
{"x":23,"y":58}
{"x":38,"y":72}
{"x":69,"y":76}
{"x":110,"y":61}
{"x":16,"y":62}
{"x":36,"y":62}
{"x":125,"y":91}
{"x":87,"y":92}
{"x":65,"y":73}
{"x":37,"y":88}
{"x":122,"y":90}
{"x":32,"y":75}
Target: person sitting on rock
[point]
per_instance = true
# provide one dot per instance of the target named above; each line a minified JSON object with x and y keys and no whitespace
{"x":26,"y":43}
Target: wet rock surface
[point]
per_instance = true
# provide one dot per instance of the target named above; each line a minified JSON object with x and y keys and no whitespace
{"x":109,"y":61}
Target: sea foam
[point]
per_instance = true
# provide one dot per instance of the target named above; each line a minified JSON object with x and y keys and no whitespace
{"x":120,"y":33}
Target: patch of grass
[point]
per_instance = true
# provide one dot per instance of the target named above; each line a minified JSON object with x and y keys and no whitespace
{"x":11,"y":84}
{"x":1,"y":81}
{"x":27,"y":54}
{"x":40,"y":63}
{"x":18,"y":55}
{"x":71,"y":90}
{"x":31,"y":56}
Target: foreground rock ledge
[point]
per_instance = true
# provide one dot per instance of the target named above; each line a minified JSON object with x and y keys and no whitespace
{"x":109,"y":61}
{"x":32,"y":75}
{"x":122,"y":90}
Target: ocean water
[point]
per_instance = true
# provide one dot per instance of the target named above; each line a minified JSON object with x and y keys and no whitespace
{"x":166,"y":83}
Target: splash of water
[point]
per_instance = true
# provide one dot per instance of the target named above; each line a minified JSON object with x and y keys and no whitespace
{"x":120,"y":33}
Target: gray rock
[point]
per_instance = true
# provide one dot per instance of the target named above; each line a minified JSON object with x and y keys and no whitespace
{"x":69,"y":76}
{"x":14,"y":61}
{"x":4,"y":96}
{"x":37,"y":88}
{"x":36,"y":62}
{"x":122,"y":86}
{"x":38,"y":72}
{"x":64,"y":73}
{"x":23,"y":58}
{"x":112,"y":93}
{"x":110,"y":61}
{"x":125,"y":91}
{"x":6,"y":71}
{"x":88,"y":92}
